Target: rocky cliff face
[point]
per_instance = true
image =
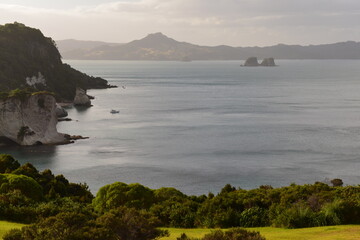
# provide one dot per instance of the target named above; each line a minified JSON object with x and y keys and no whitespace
{"x":30,"y":121}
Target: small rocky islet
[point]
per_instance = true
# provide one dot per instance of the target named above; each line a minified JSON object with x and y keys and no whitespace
{"x":253,"y":62}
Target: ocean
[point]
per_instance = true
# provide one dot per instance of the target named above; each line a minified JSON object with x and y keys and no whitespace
{"x":197,"y":126}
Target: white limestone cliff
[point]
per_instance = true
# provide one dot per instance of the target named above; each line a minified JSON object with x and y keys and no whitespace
{"x":30,"y":121}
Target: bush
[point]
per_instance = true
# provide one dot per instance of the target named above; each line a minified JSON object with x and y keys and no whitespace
{"x":233,"y":234}
{"x":297,"y":216}
{"x":120,"y":194}
{"x":13,"y":234}
{"x":8,"y":163}
{"x":64,"y":226}
{"x":131,"y":224}
{"x":26,"y":185}
{"x":254,"y":217}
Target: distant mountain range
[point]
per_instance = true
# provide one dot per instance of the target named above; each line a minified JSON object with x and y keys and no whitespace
{"x":157,"y":46}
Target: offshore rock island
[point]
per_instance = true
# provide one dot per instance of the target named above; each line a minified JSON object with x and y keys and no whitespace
{"x":253,"y":62}
{"x":32,"y":79}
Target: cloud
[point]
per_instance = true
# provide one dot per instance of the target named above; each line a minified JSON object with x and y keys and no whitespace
{"x":212,"y":22}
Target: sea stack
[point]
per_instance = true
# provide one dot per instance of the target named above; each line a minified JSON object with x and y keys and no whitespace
{"x":251,"y":62}
{"x":81,"y":98}
{"x":268,"y":62}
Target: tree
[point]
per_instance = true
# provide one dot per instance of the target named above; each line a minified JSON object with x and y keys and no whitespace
{"x":120,"y":194}
{"x":131,"y":224}
{"x":64,"y":226}
{"x":26,"y":185}
{"x":337,"y":182}
{"x":233,"y":234}
{"x":8,"y":163}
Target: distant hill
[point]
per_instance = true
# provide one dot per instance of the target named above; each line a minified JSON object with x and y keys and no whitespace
{"x":29,"y":59}
{"x":157,"y":46}
{"x":68,"y":46}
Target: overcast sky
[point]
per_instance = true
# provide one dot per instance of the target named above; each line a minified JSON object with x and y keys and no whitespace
{"x":204,"y":22}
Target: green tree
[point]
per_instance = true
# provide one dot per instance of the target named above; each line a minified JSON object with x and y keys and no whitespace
{"x":131,"y":224}
{"x":26,"y":185}
{"x":8,"y":163}
{"x":120,"y":194}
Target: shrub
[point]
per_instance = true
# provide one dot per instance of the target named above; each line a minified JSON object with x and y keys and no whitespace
{"x":13,"y":234}
{"x":254,"y":217}
{"x":8,"y":163}
{"x":131,"y":224}
{"x":297,"y":216}
{"x":26,"y":185}
{"x":233,"y":234}
{"x":120,"y":194}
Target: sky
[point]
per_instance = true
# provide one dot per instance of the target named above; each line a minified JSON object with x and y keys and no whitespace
{"x":203,"y":22}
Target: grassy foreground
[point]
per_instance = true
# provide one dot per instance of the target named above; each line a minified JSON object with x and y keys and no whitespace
{"x":344,"y":232}
{"x":6,"y":226}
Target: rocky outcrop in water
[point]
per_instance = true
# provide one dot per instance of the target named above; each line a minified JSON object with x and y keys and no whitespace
{"x":81,"y":98}
{"x":268,"y":62}
{"x":30,"y":121}
{"x":253,"y":62}
{"x":60,"y":111}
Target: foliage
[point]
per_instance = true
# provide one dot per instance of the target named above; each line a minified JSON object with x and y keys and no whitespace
{"x":120,"y":194}
{"x":26,"y":185}
{"x":295,"y":206}
{"x":122,"y":223}
{"x":27,"y":194}
{"x":254,"y":217}
{"x":8,"y":163}
{"x":233,"y":234}
{"x":55,"y":186}
{"x":131,"y":224}
{"x":337,"y":182}
{"x":343,"y":232}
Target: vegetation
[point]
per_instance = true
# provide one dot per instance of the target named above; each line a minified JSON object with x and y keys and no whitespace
{"x":25,"y":54}
{"x":7,"y":226}
{"x":22,"y":94}
{"x":133,"y":211}
{"x":344,"y":232}
{"x":294,"y":206}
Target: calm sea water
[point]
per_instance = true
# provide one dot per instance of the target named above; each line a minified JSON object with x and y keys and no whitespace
{"x":196,"y":126}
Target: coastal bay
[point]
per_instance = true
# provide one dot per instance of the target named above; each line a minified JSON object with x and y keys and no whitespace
{"x":196,"y":126}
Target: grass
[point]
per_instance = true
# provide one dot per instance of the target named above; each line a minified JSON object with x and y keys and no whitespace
{"x":343,"y":232}
{"x":6,"y":226}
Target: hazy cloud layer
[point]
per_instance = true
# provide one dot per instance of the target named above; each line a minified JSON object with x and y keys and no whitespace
{"x":209,"y":22}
